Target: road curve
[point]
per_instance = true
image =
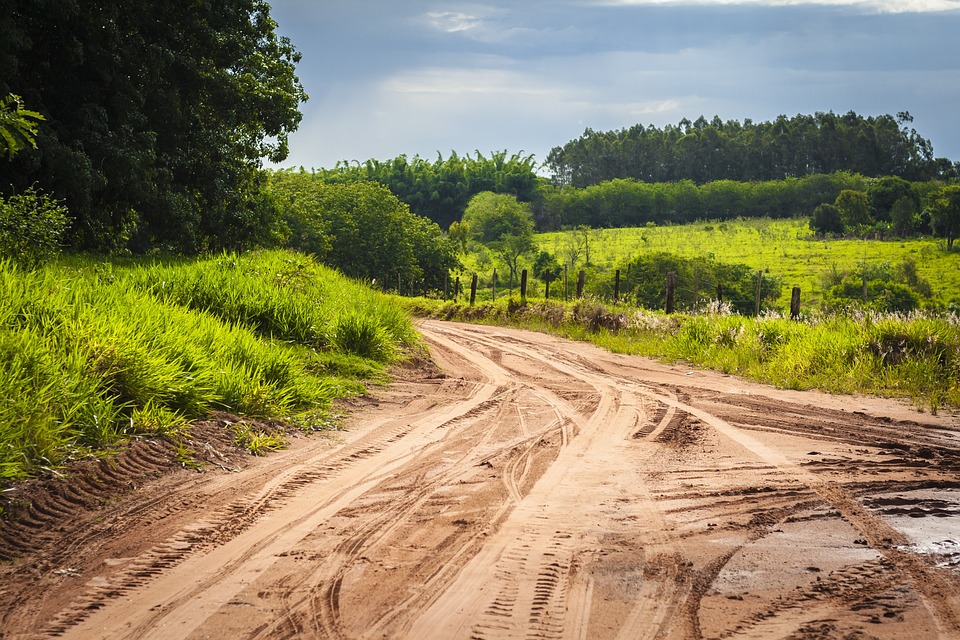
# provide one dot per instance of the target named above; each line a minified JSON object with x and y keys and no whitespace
{"x":539,"y":488}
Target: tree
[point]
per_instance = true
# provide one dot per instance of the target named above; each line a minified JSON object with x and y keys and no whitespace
{"x":903,"y":216}
{"x":945,"y":213}
{"x":826,"y":220}
{"x":854,"y":208}
{"x":362,"y":229}
{"x":886,"y":191}
{"x":18,"y":126}
{"x":503,"y":224}
{"x":155,"y":128}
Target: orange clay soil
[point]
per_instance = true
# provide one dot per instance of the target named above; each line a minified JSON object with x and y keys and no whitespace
{"x":528,"y":487}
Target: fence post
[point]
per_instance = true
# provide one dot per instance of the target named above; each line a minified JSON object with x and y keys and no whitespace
{"x":473,"y":290}
{"x":446,"y":286}
{"x":759,"y":284}
{"x":616,"y":286}
{"x":546,"y":280}
{"x":795,"y":304}
{"x":671,"y":286}
{"x":494,"y":284}
{"x":565,"y":290}
{"x":580,"y":281}
{"x":523,"y":285}
{"x":456,"y":289}
{"x":719,"y":294}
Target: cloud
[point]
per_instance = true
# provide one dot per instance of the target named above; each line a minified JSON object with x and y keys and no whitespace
{"x":870,"y":6}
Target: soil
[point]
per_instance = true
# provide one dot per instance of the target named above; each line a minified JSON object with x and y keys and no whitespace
{"x":524,"y":487}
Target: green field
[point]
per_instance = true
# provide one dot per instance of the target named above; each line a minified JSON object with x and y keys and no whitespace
{"x":783,"y":248}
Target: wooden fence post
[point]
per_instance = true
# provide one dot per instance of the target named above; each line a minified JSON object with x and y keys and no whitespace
{"x":759,"y":284}
{"x":580,"y":281}
{"x":523,"y":285}
{"x":565,"y":289}
{"x":671,"y":287}
{"x":494,"y":284}
{"x":795,"y":304}
{"x":616,"y":286}
{"x":456,"y":289}
{"x":719,"y":294}
{"x":473,"y":290}
{"x":546,"y":281}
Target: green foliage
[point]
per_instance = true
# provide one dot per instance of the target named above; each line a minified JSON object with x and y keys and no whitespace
{"x":442,"y":189}
{"x":362,"y":229}
{"x":95,"y":352}
{"x":18,"y":126}
{"x":826,"y":220}
{"x":546,"y":267}
{"x":696,"y":282}
{"x":628,"y":202}
{"x":504,"y":225}
{"x":903,"y":216}
{"x":945,"y":212}
{"x":854,"y":208}
{"x":32,"y":225}
{"x":363,"y":336}
{"x":707,"y":151}
{"x":155,"y":128}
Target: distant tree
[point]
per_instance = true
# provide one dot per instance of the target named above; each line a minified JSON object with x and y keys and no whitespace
{"x":886,"y":191}
{"x":503,"y":224}
{"x":945,"y":213}
{"x":903,"y":216}
{"x":854,"y":208}
{"x":546,"y":267}
{"x":826,"y":220}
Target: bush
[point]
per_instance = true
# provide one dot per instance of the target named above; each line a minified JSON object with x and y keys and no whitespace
{"x":31,"y":225}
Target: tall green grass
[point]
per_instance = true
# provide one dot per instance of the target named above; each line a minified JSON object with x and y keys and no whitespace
{"x":93,"y":352}
{"x":913,"y":356}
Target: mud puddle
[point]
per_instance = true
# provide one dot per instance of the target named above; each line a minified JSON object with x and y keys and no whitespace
{"x":930,"y":518}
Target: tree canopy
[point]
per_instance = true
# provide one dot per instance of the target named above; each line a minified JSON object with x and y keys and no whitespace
{"x":440,"y":190}
{"x":503,"y":224}
{"x":158,"y":115}
{"x":362,"y":229}
{"x":705,"y":151}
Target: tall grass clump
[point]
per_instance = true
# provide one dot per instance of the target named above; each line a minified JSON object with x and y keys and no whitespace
{"x":92,"y":353}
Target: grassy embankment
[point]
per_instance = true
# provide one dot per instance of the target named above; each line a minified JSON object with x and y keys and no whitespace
{"x":915,"y":357}
{"x":94,"y":352}
{"x":784,"y":248}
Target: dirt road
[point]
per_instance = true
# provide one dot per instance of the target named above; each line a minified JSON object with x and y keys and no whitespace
{"x":533,"y":488}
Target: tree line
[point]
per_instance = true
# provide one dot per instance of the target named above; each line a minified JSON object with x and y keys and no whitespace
{"x":154,"y":128}
{"x":705,"y":151}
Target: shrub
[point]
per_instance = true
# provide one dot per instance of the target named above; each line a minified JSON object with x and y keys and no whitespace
{"x":31,"y":225}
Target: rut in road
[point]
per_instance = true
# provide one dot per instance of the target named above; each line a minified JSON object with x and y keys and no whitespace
{"x":547,"y":489}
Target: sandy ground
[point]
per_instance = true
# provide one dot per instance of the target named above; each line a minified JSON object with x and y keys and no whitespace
{"x":529,"y":488}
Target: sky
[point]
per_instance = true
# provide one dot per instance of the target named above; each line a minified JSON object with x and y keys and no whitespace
{"x":422,"y":77}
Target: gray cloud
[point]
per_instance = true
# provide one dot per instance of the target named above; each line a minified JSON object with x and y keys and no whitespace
{"x":420,"y":77}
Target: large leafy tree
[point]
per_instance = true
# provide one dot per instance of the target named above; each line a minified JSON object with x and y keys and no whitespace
{"x":158,"y":116}
{"x":503,"y":224}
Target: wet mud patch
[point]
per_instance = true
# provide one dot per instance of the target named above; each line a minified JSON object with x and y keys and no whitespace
{"x":928,"y":516}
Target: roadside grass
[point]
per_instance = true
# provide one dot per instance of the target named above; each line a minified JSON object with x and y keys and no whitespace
{"x":93,"y":352}
{"x":782,"y":247}
{"x":914,"y":356}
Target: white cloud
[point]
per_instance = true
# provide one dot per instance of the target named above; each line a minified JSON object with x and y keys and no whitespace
{"x":453,"y":21}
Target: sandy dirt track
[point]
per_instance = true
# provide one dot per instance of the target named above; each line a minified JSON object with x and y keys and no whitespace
{"x":529,"y":488}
